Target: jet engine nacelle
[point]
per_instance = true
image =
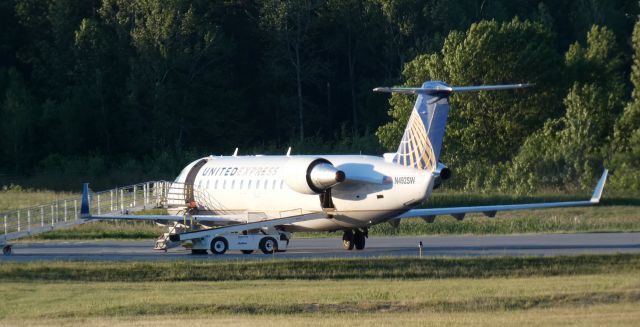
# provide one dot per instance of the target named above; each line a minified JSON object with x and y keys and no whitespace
{"x":441,"y":174}
{"x":310,"y":175}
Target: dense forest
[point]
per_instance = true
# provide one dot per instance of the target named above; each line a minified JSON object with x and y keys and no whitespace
{"x":118,"y":91}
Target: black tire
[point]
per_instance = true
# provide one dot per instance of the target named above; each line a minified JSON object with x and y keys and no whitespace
{"x":198,"y":252}
{"x":219,"y":245}
{"x":359,"y":240}
{"x":268,"y":245}
{"x":348,"y":240}
{"x":284,"y":238}
{"x":6,"y":250}
{"x":247,"y":251}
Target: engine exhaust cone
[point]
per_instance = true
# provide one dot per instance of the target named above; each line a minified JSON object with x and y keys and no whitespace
{"x":325,"y":175}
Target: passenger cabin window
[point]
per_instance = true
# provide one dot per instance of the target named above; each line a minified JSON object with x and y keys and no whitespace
{"x":282,"y":184}
{"x":224,"y":184}
{"x":215,"y":185}
{"x":233,"y":184}
{"x":249,"y":186}
{"x":273,"y":185}
{"x":207,"y":184}
{"x":241,"y":183}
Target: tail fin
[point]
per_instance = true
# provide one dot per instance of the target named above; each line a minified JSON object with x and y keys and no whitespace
{"x":422,"y":139}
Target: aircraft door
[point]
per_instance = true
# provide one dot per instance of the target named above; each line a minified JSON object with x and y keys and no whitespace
{"x":190,"y":180}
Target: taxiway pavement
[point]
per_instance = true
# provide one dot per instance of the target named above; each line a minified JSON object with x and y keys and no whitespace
{"x":330,"y":247}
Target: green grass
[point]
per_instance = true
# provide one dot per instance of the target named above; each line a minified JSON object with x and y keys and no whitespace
{"x":15,"y":197}
{"x":328,"y":296}
{"x":539,"y":291}
{"x":129,"y":230}
{"x":619,"y":314}
{"x":318,"y":269}
{"x":327,"y":302}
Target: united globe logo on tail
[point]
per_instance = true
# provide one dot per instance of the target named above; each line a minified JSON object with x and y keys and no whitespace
{"x":422,"y":139}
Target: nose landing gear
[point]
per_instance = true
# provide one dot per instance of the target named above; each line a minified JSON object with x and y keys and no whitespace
{"x":354,"y":238}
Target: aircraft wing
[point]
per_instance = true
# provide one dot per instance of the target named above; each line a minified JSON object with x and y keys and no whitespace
{"x":459,"y":212}
{"x":85,"y":214}
{"x":164,"y":218}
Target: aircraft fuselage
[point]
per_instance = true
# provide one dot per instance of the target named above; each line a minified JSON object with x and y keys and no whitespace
{"x":256,"y":187}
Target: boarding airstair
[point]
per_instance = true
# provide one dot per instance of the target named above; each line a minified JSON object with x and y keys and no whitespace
{"x":180,"y":200}
{"x":177,"y":198}
{"x":65,"y":213}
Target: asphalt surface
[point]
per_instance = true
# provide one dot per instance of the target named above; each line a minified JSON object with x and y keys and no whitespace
{"x":454,"y":246}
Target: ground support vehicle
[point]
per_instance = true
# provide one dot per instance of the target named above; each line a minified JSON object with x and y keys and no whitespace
{"x":246,"y":237}
{"x":247,"y":243}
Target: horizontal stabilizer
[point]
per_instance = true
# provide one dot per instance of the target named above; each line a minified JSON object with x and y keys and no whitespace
{"x":449,"y":89}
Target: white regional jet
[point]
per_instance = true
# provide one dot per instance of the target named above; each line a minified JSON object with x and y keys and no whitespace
{"x":255,"y":202}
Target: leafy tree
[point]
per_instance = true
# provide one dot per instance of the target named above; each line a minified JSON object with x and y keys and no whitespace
{"x":289,"y":23}
{"x":568,"y":151}
{"x":626,"y":141}
{"x":177,"y":82}
{"x":485,"y":127}
{"x":16,"y":109}
{"x":97,"y":81}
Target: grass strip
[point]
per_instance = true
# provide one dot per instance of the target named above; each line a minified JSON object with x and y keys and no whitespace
{"x":368,"y":307}
{"x":314,"y":269}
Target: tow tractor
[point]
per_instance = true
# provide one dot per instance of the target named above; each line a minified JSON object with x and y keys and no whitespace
{"x":216,"y":240}
{"x":246,"y":237}
{"x":245,"y":242}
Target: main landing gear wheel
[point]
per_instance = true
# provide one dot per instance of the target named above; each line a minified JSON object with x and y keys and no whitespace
{"x":219,"y":245}
{"x":268,"y":245}
{"x":6,"y":250}
{"x":359,"y":239}
{"x":348,"y":240}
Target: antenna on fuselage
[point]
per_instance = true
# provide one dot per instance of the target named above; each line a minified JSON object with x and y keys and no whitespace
{"x":289,"y":151}
{"x":235,"y":153}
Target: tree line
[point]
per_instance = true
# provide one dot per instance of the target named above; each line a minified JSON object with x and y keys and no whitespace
{"x":104,"y":87}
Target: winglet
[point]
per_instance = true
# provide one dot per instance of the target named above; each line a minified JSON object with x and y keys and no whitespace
{"x":597,"y":193}
{"x":84,"y":207}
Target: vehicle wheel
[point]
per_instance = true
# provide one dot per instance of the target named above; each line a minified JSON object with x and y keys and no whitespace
{"x":348,"y":240}
{"x":198,"y":252}
{"x":359,"y":240}
{"x":219,"y":245}
{"x":247,"y":251}
{"x":268,"y":245}
{"x":6,"y":250}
